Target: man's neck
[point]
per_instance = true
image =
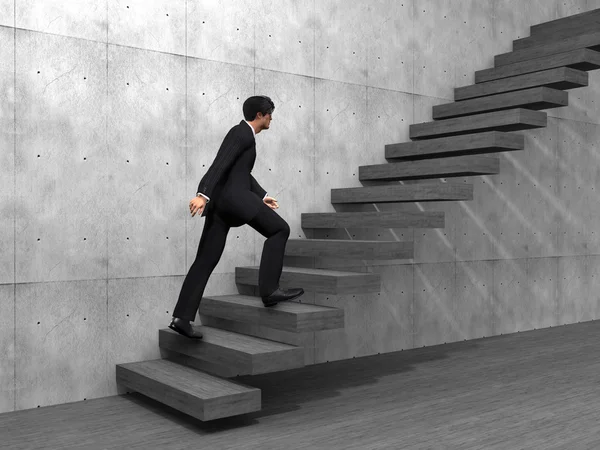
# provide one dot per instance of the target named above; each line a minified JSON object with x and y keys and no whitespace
{"x":255,"y":126}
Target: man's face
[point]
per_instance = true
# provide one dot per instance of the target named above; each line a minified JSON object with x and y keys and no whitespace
{"x":265,"y":120}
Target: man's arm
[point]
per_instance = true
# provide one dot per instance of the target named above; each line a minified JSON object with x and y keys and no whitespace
{"x":256,"y":188}
{"x":232,"y":147}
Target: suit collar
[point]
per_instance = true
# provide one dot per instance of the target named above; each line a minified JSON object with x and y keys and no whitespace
{"x":247,"y":125}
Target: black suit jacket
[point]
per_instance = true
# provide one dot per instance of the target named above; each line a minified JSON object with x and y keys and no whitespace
{"x":233,"y":191}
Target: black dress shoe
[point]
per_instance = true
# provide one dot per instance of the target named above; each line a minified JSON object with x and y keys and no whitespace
{"x":281,"y":295}
{"x":185,"y":328}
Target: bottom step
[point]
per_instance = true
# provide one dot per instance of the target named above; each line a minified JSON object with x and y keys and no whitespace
{"x":196,"y":393}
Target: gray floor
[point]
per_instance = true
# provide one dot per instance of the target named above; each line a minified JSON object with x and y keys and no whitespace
{"x":534,"y":390}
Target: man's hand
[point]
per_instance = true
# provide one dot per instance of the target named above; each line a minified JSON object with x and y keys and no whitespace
{"x":197,"y":205}
{"x":270,"y":202}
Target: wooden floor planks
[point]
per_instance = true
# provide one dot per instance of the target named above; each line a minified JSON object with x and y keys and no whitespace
{"x":534,"y":390}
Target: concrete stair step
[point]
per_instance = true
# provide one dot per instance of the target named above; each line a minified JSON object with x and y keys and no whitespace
{"x":558,"y":78}
{"x":564,"y":27}
{"x":200,"y":395}
{"x":535,"y":98}
{"x":418,"y":192}
{"x":506,"y":120}
{"x":588,"y":40}
{"x":581,"y":59}
{"x":317,"y":280}
{"x":289,"y":316}
{"x":454,"y":166}
{"x":465,"y":144}
{"x":375,"y":219}
{"x":246,"y":355}
{"x":350,"y":248}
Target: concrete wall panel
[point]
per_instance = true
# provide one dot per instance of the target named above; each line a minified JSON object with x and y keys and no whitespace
{"x":60,"y":343}
{"x":583,"y":102}
{"x":525,"y":294}
{"x":578,"y":187}
{"x":340,"y":136}
{"x":512,"y":308}
{"x":285,"y":153}
{"x":222,"y":31}
{"x":391,"y":45}
{"x":389,"y":113}
{"x":542,"y":274}
{"x":60,"y":151}
{"x":146,"y":163}
{"x":537,"y":168}
{"x":7,"y":163}
{"x":285,"y":36}
{"x":216,"y":93}
{"x":572,"y":7}
{"x":452,"y":39}
{"x":434,"y":298}
{"x":148,"y":24}
{"x":85,"y":19}
{"x":341,"y":41}
{"x":473,"y":303}
{"x":7,"y":13}
{"x":509,"y":220}
{"x":515,"y":17}
{"x":374,"y":323}
{"x":473,"y":239}
{"x":7,"y":347}
{"x":578,"y":287}
{"x":437,"y":244}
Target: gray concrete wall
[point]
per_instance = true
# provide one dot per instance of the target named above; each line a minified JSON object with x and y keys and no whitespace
{"x":112,"y":110}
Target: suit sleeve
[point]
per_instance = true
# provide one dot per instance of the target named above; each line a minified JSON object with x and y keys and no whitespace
{"x":232,"y":147}
{"x":256,"y":188}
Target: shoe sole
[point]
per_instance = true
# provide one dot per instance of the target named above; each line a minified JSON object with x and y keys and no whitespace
{"x":174,"y":328}
{"x":284,"y":300}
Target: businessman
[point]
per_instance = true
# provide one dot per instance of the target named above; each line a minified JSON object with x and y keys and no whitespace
{"x":229,"y":196}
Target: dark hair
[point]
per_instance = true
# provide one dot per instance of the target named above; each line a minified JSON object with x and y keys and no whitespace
{"x":257,"y":104}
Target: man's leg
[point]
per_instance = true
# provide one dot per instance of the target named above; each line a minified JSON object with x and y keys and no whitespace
{"x":268,"y":223}
{"x":210,"y":249}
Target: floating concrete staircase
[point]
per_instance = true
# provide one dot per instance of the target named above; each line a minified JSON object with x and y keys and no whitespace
{"x":506,"y":98}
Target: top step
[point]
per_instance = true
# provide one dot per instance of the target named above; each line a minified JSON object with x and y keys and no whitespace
{"x":589,"y":40}
{"x":584,"y":18}
{"x":556,"y":30}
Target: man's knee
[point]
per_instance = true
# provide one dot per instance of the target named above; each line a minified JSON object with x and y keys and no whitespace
{"x":285,"y":229}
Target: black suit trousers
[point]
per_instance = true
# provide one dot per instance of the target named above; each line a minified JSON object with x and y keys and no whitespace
{"x":212,"y":243}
